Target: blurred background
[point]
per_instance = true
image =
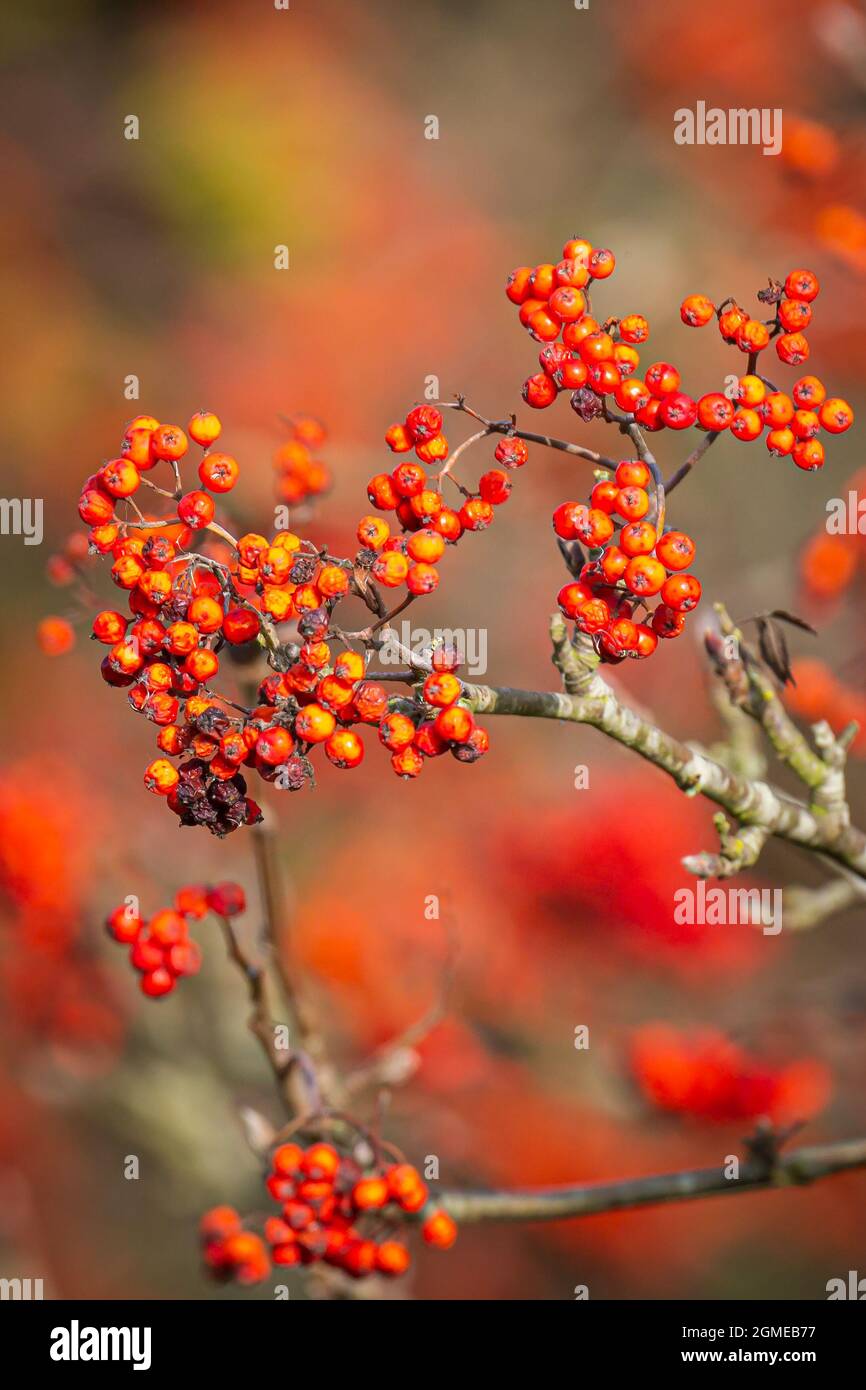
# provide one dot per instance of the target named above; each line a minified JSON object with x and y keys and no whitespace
{"x":155,"y":257}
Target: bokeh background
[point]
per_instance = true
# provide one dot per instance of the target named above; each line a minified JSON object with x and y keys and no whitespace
{"x":155,"y":257}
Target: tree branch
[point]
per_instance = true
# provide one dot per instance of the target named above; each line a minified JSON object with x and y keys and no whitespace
{"x":798,"y":1168}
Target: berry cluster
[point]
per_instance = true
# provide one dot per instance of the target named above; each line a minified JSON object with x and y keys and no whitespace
{"x":332,"y":1210}
{"x":300,"y":475}
{"x":428,"y":525}
{"x":598,"y":362}
{"x":792,"y":421}
{"x":631,"y":560}
{"x":187,"y":606}
{"x":161,"y":949}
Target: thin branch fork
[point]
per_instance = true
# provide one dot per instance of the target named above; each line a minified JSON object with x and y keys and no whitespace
{"x":800,"y":1167}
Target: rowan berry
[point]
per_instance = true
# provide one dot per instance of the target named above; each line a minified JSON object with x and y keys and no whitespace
{"x":390,"y":568}
{"x":542,"y":281}
{"x":392,"y":1258}
{"x":661,"y":379}
{"x":109,"y":626}
{"x":809,"y":392}
{"x":382,"y":492}
{"x":781,"y":441}
{"x":426,"y":547}
{"x":274,"y":745}
{"x":805,"y":424}
{"x":227,"y":899}
{"x":601,"y":264}
{"x":455,"y":724}
{"x":794,"y":315}
{"x":407,"y":1187}
{"x":637,"y":538}
{"x":433,"y":450}
{"x":119,"y":477}
{"x":398,"y":439}
{"x":202,"y":664}
{"x":750,"y":391}
{"x":667,"y":622}
{"x":542,"y":325}
{"x":495,"y":487}
{"x":136,"y":447}
{"x":634,"y":329}
{"x":511,"y":452}
{"x":746,"y":425}
{"x":156,"y":983}
{"x":603,"y":498}
{"x":792,"y":348}
{"x":449,"y":525}
{"x":836,"y":415}
{"x":344,"y":748}
{"x":95,"y":507}
{"x":538,"y":391}
{"x":593,"y":615}
{"x":475,"y":514}
{"x":614,"y":563}
{"x":422,"y":579}
{"x":204,"y":428}
{"x":371,"y":702}
{"x":240,"y":625}
{"x":368,"y":1194}
{"x":196,"y":509}
{"x":603,"y":377}
{"x":567,"y":304}
{"x":678,"y":411}
{"x":644,"y":576}
{"x":219,"y":472}
{"x":632,"y":395}
{"x":530,"y":306}
{"x":777,"y":409}
{"x":593,"y":526}
{"x":632,"y":503}
{"x":439,"y":1230}
{"x":191,"y":900}
{"x":676,"y":550}
{"x":572,"y":273}
{"x":314,"y":724}
{"x":124,"y":924}
{"x":808,"y":454}
{"x":169,"y":442}
{"x":161,"y":777}
{"x":802,"y":284}
{"x":396,"y":731}
{"x":715,"y":411}
{"x":127,"y":571}
{"x":696,"y":310}
{"x":681,"y":592}
{"x":428,"y":741}
{"x":752,"y":336}
{"x":517,"y":286}
{"x":442,"y":688}
{"x":184,"y":958}
{"x":647,"y":640}
{"x":573,"y":334}
{"x":407,"y":762}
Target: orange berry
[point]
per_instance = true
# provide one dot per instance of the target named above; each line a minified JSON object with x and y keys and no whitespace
{"x":204,"y":428}
{"x":439,"y":1230}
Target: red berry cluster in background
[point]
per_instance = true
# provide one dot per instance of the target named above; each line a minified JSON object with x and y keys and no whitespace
{"x":300,"y":475}
{"x":631,"y":560}
{"x":161,"y":949}
{"x":333,"y":1210}
{"x":598,"y":362}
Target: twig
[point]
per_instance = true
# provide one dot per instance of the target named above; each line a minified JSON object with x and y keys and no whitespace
{"x":798,"y":1168}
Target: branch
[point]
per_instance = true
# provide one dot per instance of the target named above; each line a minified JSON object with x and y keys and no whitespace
{"x":798,"y":1168}
{"x":588,"y":699}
